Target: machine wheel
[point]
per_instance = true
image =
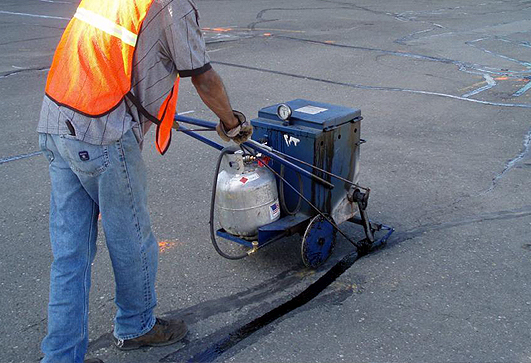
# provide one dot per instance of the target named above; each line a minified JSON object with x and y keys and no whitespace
{"x":318,"y":242}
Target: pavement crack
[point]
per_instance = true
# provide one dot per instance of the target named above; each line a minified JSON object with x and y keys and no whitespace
{"x":25,"y":70}
{"x":463,"y":66}
{"x":33,"y":325}
{"x":400,"y":237}
{"x":33,"y":15}
{"x":511,"y":163}
{"x":241,"y":331}
{"x":260,"y":15}
{"x":29,"y":40}
{"x":414,"y":35}
{"x":490,"y":83}
{"x":474,"y":44}
{"x":362,"y":8}
{"x":19,"y":157}
{"x":239,"y":300}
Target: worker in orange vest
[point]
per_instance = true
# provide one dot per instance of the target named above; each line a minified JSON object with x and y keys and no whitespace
{"x":116,"y":71}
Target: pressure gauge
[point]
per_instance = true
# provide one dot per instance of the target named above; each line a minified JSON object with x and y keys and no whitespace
{"x":284,"y":112}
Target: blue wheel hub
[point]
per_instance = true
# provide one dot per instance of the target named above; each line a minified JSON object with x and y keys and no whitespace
{"x":318,"y":242}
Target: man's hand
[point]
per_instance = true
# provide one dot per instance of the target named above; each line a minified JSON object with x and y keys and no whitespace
{"x":240,"y":133}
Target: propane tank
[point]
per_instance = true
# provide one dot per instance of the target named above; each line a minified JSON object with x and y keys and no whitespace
{"x":246,"y":196}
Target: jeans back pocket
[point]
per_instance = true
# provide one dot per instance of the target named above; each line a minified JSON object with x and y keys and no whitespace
{"x":84,"y":158}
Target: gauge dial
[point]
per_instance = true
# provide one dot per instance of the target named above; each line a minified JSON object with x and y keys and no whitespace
{"x":284,"y":112}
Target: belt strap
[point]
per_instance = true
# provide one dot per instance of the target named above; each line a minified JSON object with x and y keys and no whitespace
{"x":141,"y":108}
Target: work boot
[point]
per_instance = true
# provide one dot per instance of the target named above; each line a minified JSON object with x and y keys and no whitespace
{"x":164,"y":332}
{"x":93,"y":360}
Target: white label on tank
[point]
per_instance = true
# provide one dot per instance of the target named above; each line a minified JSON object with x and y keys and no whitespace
{"x":274,"y":211}
{"x":311,"y":110}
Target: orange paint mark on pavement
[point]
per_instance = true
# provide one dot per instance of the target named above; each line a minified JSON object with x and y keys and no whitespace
{"x":503,"y":78}
{"x":164,"y":246}
{"x":330,"y":41}
{"x":267,"y":34}
{"x":218,"y":30}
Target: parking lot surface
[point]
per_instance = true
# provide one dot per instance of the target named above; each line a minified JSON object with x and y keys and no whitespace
{"x":444,"y":89}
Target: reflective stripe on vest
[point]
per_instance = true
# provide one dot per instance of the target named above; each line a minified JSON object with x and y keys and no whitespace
{"x":91,"y":72}
{"x":106,"y":26}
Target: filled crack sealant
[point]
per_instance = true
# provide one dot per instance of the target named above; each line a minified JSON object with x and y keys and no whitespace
{"x":373,"y":88}
{"x":19,"y":157}
{"x":490,"y":83}
{"x":220,"y":347}
{"x":503,"y":215}
{"x":524,"y":89}
{"x":24,"y":70}
{"x":413,"y":36}
{"x":215,"y":350}
{"x":511,"y":163}
{"x":467,"y":67}
{"x":33,"y":15}
{"x":524,"y":64}
{"x":231,"y":339}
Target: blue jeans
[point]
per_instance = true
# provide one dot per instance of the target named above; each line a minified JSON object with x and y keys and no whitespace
{"x":88,"y":180}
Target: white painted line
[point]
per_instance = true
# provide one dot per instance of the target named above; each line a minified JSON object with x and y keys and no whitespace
{"x":185,"y":113}
{"x":33,"y":15}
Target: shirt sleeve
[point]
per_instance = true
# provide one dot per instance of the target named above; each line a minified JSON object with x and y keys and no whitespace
{"x":186,"y":44}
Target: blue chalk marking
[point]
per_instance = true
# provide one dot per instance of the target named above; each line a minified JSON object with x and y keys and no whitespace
{"x":523,"y":90}
{"x":19,"y":157}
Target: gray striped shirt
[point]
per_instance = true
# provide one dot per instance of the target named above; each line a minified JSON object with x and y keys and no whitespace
{"x":169,"y":43}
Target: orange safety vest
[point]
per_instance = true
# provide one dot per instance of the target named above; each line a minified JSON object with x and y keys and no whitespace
{"x":91,"y":72}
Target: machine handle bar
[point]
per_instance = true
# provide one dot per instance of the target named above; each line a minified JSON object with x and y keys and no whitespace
{"x":308,"y":164}
{"x":250,"y":143}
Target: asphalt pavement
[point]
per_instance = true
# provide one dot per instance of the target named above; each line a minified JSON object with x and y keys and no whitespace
{"x":444,"y":89}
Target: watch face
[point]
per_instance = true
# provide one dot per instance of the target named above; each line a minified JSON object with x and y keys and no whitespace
{"x":284,"y":112}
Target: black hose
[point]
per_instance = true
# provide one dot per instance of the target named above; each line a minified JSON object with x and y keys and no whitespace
{"x":212,"y":206}
{"x":283,"y":198}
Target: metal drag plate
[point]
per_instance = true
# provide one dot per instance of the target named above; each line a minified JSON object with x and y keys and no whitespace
{"x":318,"y":242}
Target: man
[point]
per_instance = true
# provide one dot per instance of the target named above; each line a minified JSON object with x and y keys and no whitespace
{"x":114,"y":73}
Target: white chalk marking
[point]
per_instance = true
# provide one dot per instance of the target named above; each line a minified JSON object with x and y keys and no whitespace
{"x":58,"y":2}
{"x":33,"y":15}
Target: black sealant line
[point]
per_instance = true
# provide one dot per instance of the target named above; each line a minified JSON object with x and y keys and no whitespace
{"x":223,"y":345}
{"x":218,"y":348}
{"x":214,"y":351}
{"x":373,"y":88}
{"x":24,"y":70}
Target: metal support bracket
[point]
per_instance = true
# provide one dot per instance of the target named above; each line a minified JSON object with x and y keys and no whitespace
{"x":355,"y":195}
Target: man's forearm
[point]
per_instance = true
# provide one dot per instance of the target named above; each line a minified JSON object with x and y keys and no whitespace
{"x":210,"y":88}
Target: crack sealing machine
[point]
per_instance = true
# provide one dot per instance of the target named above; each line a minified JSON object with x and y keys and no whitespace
{"x":298,"y":174}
